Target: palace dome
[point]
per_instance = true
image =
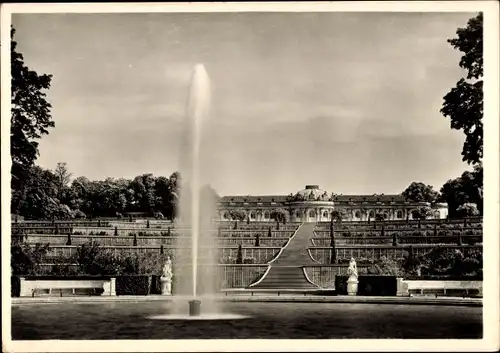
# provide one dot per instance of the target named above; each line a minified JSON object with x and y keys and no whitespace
{"x":312,"y":192}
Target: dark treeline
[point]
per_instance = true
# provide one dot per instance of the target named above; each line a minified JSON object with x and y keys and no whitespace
{"x":48,"y":194}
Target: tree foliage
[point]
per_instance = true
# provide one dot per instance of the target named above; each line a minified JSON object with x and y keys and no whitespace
{"x":279,"y":214}
{"x":338,"y":215}
{"x":237,"y":215}
{"x":467,"y":210}
{"x":386,"y":267}
{"x":30,"y":119}
{"x":464,"y":103}
{"x":48,"y":194}
{"x":423,"y":212}
{"x":468,"y":188}
{"x":419,"y":192}
{"x":25,"y":258}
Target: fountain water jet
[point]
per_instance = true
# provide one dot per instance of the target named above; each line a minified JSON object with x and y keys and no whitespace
{"x":196,"y":251}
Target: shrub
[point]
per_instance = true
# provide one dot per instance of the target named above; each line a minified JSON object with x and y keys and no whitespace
{"x":227,"y":260}
{"x":387,"y":267}
{"x":451,"y":262}
{"x":64,"y":270}
{"x":25,"y":258}
{"x":249,"y":260}
{"x":395,"y":239}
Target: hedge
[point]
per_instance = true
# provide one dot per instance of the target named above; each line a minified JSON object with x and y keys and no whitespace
{"x":133,"y":285}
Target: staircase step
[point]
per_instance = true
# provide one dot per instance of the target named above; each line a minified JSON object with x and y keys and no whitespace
{"x":286,"y":271}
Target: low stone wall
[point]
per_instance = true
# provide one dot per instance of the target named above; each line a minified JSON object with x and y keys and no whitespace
{"x":35,"y":287}
{"x":438,"y":287}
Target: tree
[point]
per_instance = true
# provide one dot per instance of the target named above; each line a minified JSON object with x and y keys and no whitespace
{"x":380,"y":217}
{"x":468,"y":188}
{"x":63,"y":178}
{"x":279,"y":215}
{"x":333,"y":254}
{"x":339,"y":215}
{"x":422,"y":212}
{"x":30,"y":119}
{"x":467,"y":210}
{"x":174,"y":185}
{"x":464,"y":103}
{"x":238,"y":215}
{"x":40,"y":194}
{"x":239,"y":255}
{"x":419,"y":192}
{"x":144,"y":190}
{"x":394,"y":239}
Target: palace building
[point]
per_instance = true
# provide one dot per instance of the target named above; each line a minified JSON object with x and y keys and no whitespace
{"x":313,"y":204}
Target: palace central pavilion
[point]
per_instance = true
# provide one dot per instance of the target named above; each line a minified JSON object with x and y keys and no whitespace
{"x":313,"y":204}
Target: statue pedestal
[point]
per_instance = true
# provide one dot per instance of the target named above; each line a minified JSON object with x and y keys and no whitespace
{"x":166,"y":286}
{"x":352,"y":286}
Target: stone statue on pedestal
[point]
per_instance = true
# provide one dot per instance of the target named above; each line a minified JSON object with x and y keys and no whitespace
{"x":352,"y":281}
{"x":166,"y":278}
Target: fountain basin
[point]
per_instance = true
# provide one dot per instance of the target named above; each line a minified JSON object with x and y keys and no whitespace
{"x":243,"y":320}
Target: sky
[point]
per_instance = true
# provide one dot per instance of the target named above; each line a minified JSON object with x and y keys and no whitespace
{"x":348,"y":101}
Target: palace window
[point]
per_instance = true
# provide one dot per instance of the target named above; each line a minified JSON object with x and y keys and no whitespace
{"x":252,"y":215}
{"x":266,"y":215}
{"x":325,"y":214}
{"x":399,"y":214}
{"x":312,"y":214}
{"x":225,"y":216}
{"x":357,"y":214}
{"x":372,"y":214}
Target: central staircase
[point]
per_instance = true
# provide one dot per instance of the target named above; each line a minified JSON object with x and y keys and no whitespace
{"x":286,"y":269}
